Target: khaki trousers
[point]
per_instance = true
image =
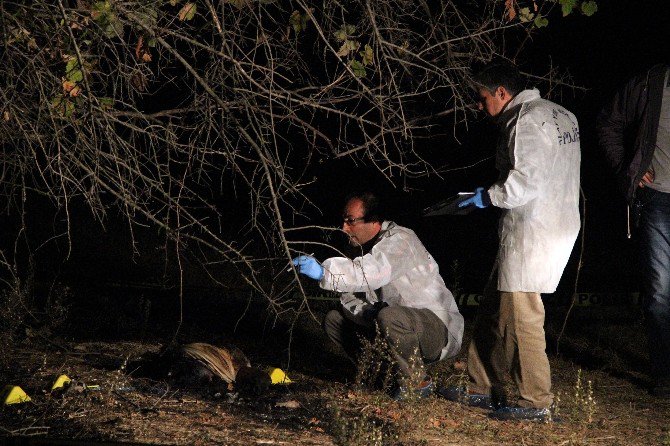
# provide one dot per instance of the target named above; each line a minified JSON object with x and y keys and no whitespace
{"x":509,"y":339}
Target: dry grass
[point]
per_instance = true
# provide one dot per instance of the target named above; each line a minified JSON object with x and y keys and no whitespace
{"x":323,"y":406}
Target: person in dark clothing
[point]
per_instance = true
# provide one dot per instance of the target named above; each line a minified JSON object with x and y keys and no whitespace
{"x":634,"y":133}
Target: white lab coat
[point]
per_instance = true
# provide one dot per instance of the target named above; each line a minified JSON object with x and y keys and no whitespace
{"x":538,"y":158}
{"x":399,"y":271}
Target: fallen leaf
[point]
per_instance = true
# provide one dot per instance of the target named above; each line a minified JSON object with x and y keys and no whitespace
{"x":450,"y":423}
{"x":290,"y":404}
{"x":394,"y":415}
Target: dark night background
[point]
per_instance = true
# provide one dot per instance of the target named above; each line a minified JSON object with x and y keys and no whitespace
{"x":94,"y":295}
{"x":599,"y":52}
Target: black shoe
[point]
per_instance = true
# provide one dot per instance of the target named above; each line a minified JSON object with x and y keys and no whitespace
{"x":522,"y":413}
{"x":461,"y":395}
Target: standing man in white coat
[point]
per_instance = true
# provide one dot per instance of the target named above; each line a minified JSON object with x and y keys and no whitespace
{"x":538,"y":156}
{"x":393,"y":282}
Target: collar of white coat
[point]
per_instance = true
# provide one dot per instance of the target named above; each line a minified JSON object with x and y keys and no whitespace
{"x":512,"y":106}
{"x":386,"y":225}
{"x":521,"y":97}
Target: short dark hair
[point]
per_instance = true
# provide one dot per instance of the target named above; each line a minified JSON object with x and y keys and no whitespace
{"x":372,"y":204}
{"x":497,"y":73}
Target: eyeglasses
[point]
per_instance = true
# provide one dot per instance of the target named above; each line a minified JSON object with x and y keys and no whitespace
{"x":352,"y":221}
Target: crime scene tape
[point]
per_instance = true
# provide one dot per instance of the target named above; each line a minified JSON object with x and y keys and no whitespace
{"x":581,"y":299}
{"x":605,"y":299}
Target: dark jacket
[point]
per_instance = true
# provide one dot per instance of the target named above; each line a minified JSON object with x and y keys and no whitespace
{"x":628,"y":125}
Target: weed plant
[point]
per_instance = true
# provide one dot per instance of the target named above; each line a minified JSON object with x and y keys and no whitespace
{"x":417,"y":373}
{"x":376,"y":365}
{"x":359,"y":430}
{"x":580,"y":405}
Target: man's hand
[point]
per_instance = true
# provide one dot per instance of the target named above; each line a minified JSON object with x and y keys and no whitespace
{"x":648,"y":178}
{"x":480,"y":199}
{"x":308,"y":266}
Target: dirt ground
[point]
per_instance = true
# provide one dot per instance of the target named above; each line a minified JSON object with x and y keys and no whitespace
{"x":599,"y":379}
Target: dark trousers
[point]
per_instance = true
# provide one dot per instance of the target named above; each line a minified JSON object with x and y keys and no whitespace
{"x":407,"y":330}
{"x":655,"y":267}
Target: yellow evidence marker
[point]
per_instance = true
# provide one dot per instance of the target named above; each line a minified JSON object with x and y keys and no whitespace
{"x":14,"y":395}
{"x":277,"y":376}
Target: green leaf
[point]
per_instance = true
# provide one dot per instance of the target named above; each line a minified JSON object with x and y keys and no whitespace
{"x":63,"y":106}
{"x":347,"y":47}
{"x":357,"y":68}
{"x":187,"y":11}
{"x":106,"y":18}
{"x":541,"y":22}
{"x":106,"y":102}
{"x":525,"y":15}
{"x":148,"y":15}
{"x":367,"y":55}
{"x":101,"y":8}
{"x":345,"y":31}
{"x":589,"y":8}
{"x":72,"y":71}
{"x":72,"y":64}
{"x":298,"y":21}
{"x":295,"y":21}
{"x":75,"y":76}
{"x":567,"y":6}
{"x":191,"y":12}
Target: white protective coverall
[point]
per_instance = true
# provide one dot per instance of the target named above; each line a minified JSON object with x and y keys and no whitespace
{"x":538,"y":157}
{"x":398,"y":270}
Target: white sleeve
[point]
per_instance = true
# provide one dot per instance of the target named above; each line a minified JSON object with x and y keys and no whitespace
{"x":385,"y":262}
{"x":532,"y":154}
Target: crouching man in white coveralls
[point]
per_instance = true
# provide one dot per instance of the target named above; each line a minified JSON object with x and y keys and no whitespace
{"x":538,"y":156}
{"x":393,"y":282}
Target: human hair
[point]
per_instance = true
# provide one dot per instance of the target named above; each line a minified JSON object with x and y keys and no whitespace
{"x":371,"y":203}
{"x":497,"y":73}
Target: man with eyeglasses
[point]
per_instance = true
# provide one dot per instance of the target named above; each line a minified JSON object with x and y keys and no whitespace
{"x":538,"y":157}
{"x":393,"y":282}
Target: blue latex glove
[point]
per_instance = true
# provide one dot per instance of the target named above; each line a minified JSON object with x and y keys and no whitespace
{"x":309,"y":266}
{"x":480,"y":199}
